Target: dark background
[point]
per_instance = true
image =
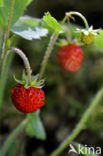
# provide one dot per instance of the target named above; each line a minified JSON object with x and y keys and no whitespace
{"x":67,"y":94}
{"x":91,"y":9}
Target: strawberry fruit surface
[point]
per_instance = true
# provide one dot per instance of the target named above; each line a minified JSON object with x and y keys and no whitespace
{"x":27,"y":100}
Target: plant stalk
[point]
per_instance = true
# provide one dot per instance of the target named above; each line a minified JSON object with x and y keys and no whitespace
{"x":47,"y":53}
{"x":26,"y":62}
{"x":4,"y":52}
{"x":10,"y":18}
{"x":80,"y":125}
{"x":69,"y":14}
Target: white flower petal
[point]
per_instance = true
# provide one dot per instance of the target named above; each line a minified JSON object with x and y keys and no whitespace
{"x":86,"y":32}
{"x":96,"y":30}
{"x":91,"y":28}
{"x":94,"y":33}
{"x":83,"y":30}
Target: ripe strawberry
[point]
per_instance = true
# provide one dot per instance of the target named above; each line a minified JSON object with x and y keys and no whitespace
{"x":27,"y":100}
{"x":70,"y":57}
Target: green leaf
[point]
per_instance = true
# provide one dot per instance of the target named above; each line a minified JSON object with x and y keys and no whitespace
{"x":30,"y":21}
{"x":14,"y":147}
{"x":52,"y":22}
{"x":1,"y":3}
{"x":29,"y":32}
{"x":28,"y":2}
{"x":99,"y":40}
{"x":19,"y":8}
{"x":35,"y":126}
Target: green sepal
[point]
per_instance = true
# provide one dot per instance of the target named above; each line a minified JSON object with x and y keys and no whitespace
{"x":18,"y":81}
{"x":35,"y":83}
{"x":62,"y":42}
{"x":26,"y":86}
{"x":39,"y":84}
{"x":35,"y":78}
{"x":24,"y":79}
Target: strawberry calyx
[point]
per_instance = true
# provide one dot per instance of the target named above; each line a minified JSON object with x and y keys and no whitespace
{"x":62,"y":42}
{"x":34,"y":83}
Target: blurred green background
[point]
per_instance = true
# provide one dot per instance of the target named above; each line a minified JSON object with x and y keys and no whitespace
{"x":67,"y":94}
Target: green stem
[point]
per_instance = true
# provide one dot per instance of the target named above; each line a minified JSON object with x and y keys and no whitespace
{"x":11,"y":137}
{"x":3,"y":81}
{"x":64,"y":20}
{"x":47,"y":53}
{"x":80,"y":125}
{"x":26,"y":62}
{"x":2,"y":43}
{"x":78,"y":14}
{"x":4,"y":53}
{"x":10,"y":18}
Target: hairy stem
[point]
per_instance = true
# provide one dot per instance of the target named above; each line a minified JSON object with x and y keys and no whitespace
{"x":69,"y":14}
{"x":26,"y":62}
{"x":47,"y":53}
{"x":11,"y":137}
{"x":80,"y":125}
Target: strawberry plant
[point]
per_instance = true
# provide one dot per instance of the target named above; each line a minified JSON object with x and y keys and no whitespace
{"x":27,"y":95}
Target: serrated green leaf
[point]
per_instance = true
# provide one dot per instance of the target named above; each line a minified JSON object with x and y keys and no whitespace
{"x":99,"y":40}
{"x":1,"y":3}
{"x":28,"y":32}
{"x":19,"y":8}
{"x":35,"y":126}
{"x":52,"y":22}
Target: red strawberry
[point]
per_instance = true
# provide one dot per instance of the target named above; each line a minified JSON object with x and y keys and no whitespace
{"x":70,"y":57}
{"x":27,"y":100}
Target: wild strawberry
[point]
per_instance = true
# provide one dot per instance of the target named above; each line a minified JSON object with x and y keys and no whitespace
{"x":70,"y":57}
{"x":27,"y":100}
